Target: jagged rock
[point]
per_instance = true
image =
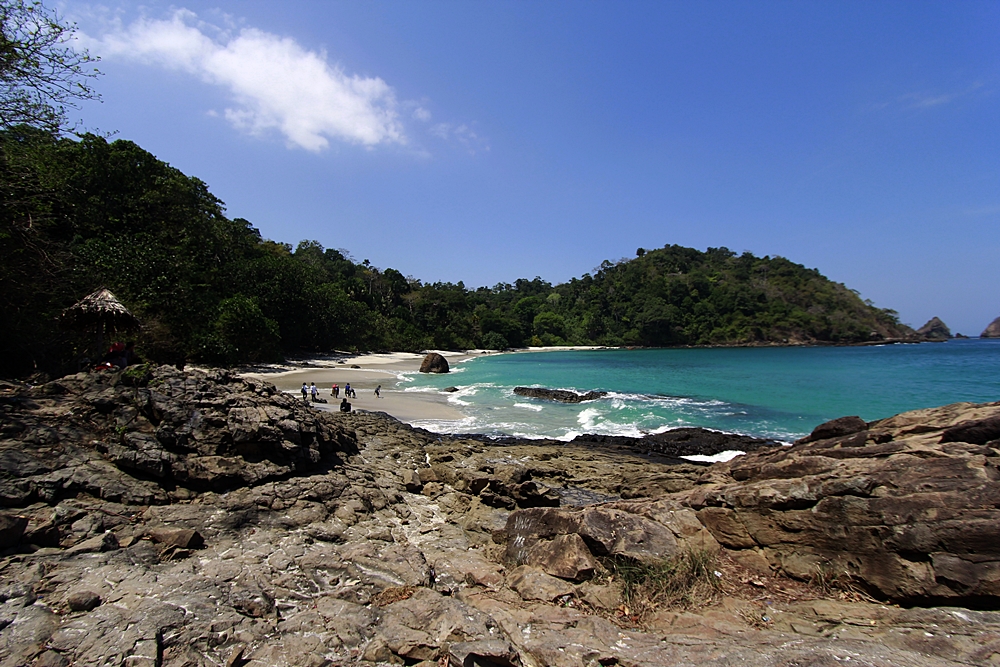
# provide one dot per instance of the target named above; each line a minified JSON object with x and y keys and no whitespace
{"x":334,"y":562}
{"x":935,"y":329}
{"x":560,"y":395}
{"x":434,"y":363}
{"x":993,"y":330}
{"x":11,"y":529}
{"x":419,"y":627}
{"x":606,"y":531}
{"x":836,"y":428}
{"x":566,"y":557}
{"x":531,"y":583}
{"x":200,"y":430}
{"x":975,"y":431}
{"x":909,"y":512}
{"x":183,"y":538}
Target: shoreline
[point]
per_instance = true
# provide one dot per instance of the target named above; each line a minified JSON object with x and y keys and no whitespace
{"x":366,"y":371}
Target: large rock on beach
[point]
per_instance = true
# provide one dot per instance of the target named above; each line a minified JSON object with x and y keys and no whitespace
{"x":190,"y":518}
{"x":561,"y":395}
{"x":935,"y":329}
{"x":434,"y":363}
{"x":993,"y":330}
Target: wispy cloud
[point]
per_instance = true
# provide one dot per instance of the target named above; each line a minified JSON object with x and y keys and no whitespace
{"x":463,"y":134}
{"x":928,"y":100}
{"x":274,"y":83}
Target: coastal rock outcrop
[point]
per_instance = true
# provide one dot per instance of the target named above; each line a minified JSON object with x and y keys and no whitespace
{"x":561,"y":395}
{"x":993,"y":330}
{"x":400,"y":546}
{"x":935,"y":329}
{"x":434,"y":363}
{"x":906,"y":509}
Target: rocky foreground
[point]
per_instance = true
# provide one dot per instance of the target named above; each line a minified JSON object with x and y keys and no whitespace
{"x":160,"y":517}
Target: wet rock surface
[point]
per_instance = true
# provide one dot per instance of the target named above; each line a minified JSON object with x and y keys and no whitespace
{"x":560,"y":395}
{"x":355,"y":539}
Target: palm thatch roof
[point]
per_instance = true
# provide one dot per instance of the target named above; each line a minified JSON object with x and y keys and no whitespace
{"x":101,"y":307}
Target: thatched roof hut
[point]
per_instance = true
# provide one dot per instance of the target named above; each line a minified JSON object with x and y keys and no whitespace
{"x":102,"y":309}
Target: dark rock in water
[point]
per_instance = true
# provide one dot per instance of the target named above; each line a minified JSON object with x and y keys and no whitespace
{"x":835,"y":428}
{"x":935,"y":329}
{"x":993,"y":330}
{"x":682,"y":442}
{"x":434,"y":363}
{"x":958,"y":335}
{"x":450,"y":390}
{"x":560,"y":395}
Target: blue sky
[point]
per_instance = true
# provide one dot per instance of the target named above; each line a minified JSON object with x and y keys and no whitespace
{"x":484,"y":142}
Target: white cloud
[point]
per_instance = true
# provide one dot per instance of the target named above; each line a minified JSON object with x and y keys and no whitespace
{"x":275,"y":83}
{"x":463,"y":134}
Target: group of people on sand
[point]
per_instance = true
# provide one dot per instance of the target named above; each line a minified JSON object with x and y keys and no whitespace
{"x":311,"y":391}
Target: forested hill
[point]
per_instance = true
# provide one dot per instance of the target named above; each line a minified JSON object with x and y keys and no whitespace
{"x":76,"y":215}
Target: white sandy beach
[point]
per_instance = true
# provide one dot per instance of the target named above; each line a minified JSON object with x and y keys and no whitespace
{"x":374,"y":370}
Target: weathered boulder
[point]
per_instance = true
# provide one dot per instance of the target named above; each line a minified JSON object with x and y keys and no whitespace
{"x":561,"y":395}
{"x":993,"y":330}
{"x":935,"y":329}
{"x":836,"y":428}
{"x":605,"y":530}
{"x":566,"y":557}
{"x":434,"y":363}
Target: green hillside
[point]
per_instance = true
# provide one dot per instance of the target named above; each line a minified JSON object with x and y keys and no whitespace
{"x":76,"y":215}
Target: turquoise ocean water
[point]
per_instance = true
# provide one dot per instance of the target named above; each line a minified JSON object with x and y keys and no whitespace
{"x":774,"y":392}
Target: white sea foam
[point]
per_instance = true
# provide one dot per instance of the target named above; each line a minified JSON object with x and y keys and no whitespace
{"x":446,"y":425}
{"x":529,"y":406}
{"x":588,"y":419}
{"x":721,"y":457}
{"x":421,"y":390}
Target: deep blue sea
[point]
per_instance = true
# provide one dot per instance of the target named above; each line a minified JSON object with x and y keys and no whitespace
{"x":774,"y":392}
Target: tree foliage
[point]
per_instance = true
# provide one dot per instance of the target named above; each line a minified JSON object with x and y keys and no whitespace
{"x":76,"y":215}
{"x":40,"y":72}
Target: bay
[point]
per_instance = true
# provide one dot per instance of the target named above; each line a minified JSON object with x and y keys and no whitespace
{"x":777,"y":392}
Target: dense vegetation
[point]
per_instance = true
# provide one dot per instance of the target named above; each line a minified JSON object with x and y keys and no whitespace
{"x":76,"y":215}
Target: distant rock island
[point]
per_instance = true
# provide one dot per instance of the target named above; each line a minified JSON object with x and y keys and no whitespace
{"x":993,"y":330}
{"x":935,"y":329}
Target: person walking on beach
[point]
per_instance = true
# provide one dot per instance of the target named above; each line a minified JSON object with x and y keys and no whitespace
{"x":335,"y":390}
{"x":378,"y":391}
{"x":305,"y":392}
{"x":314,"y":390}
{"x":347,"y":390}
